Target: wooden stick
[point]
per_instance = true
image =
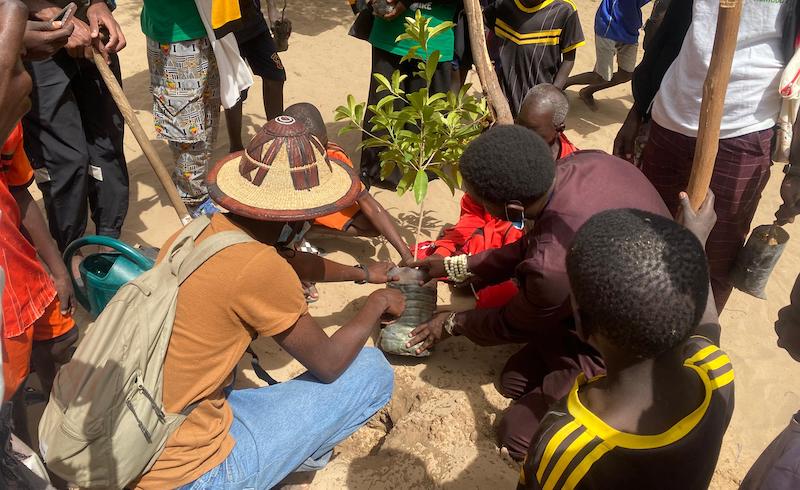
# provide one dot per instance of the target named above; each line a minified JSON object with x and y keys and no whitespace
{"x":483,"y":64}
{"x":141,"y":137}
{"x":713,"y":105}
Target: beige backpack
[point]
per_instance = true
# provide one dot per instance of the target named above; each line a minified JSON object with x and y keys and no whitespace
{"x":105,"y":424}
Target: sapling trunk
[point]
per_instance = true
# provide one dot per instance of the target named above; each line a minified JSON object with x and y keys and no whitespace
{"x":418,"y":236}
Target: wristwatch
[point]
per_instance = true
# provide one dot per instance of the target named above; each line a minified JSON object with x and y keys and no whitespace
{"x":366,"y":274}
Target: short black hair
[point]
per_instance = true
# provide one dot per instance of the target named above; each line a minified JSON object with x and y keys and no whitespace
{"x":547,"y":95}
{"x":309,"y":116}
{"x":509,"y":163}
{"x":640,"y":280}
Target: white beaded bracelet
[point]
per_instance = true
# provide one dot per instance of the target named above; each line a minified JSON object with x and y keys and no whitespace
{"x":457,"y":268}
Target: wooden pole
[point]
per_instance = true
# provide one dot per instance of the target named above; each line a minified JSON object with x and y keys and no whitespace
{"x":141,"y":137}
{"x":713,"y":105}
{"x":483,"y":64}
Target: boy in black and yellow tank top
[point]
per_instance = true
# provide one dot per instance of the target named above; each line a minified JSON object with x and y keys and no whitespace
{"x":538,"y":40}
{"x":657,"y":418}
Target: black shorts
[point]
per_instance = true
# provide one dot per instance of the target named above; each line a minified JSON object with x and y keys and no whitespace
{"x":262,"y":56}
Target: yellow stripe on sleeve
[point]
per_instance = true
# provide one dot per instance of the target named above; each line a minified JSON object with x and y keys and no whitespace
{"x":722,"y":380}
{"x":573,"y":46}
{"x":574,"y":7}
{"x":583,"y":467}
{"x":716,"y":363}
{"x":701,"y":354}
{"x":566,"y":458}
{"x":552,"y":445}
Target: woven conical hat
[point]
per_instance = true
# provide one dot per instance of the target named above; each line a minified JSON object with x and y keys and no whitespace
{"x":283,"y":175}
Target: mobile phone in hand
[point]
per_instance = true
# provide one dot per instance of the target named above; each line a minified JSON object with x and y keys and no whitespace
{"x":65,"y":14}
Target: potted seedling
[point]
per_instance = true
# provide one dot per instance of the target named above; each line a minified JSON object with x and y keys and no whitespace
{"x":421,"y":134}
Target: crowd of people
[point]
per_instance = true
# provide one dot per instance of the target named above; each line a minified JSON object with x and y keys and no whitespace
{"x":595,"y":262}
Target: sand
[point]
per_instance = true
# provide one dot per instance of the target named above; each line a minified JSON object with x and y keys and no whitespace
{"x":438,"y":429}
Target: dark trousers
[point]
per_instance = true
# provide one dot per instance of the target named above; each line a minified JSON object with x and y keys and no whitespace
{"x":386,"y":63}
{"x":741,"y":172}
{"x":74,"y":140}
{"x":537,"y":376}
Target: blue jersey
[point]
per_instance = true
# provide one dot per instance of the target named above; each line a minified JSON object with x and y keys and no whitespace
{"x":619,"y":20}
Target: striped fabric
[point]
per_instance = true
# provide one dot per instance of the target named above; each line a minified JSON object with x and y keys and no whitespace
{"x":576,"y":449}
{"x":741,"y":172}
{"x":533,"y":38}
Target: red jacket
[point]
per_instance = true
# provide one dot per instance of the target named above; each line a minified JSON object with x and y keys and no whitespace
{"x":477,"y":231}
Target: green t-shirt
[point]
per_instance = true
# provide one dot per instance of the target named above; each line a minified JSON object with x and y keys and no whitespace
{"x":171,"y":21}
{"x":385,"y":32}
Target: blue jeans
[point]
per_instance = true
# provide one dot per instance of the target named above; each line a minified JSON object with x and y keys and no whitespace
{"x":294,"y":426}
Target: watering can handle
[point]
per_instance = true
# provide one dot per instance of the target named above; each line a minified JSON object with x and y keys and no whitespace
{"x":123,"y":248}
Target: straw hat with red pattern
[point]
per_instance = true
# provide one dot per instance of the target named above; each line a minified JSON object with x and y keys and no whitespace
{"x":283,"y":175}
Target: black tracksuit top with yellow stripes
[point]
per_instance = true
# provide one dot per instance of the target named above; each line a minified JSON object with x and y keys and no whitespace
{"x":533,"y":37}
{"x":575,"y":449}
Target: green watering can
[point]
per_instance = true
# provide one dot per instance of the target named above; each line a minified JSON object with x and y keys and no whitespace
{"x":104,"y":273}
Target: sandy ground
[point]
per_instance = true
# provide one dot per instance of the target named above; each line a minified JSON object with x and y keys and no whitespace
{"x":438,"y":429}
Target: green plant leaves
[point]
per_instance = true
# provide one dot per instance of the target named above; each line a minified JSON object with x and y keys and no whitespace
{"x":420,"y":186}
{"x":420,"y":131}
{"x":431,"y":64}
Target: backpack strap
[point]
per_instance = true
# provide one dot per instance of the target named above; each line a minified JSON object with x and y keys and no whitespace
{"x":183,"y":244}
{"x":207,"y":249}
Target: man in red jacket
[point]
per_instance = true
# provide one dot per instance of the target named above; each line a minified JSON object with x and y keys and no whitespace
{"x":543,"y":111}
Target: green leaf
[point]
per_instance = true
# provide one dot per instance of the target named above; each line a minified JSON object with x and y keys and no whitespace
{"x":405,"y":182}
{"x":373,"y":143}
{"x":397,"y":79}
{"x":383,"y":82}
{"x":439,"y":29}
{"x":341,"y":113}
{"x":387,"y":167}
{"x":386,"y":100}
{"x":418,"y":99}
{"x":443,"y":177}
{"x":431,"y":64}
{"x":420,"y":186}
{"x":437,"y":96}
{"x":346,"y":129}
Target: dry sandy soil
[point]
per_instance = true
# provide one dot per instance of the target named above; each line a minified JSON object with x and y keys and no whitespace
{"x":438,"y":429}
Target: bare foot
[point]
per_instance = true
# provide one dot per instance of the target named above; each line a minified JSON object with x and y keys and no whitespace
{"x":588,"y":98}
{"x":310,"y":291}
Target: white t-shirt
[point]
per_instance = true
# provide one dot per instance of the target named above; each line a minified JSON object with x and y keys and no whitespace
{"x":752,"y":102}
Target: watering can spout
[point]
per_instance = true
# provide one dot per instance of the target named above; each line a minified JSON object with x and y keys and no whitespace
{"x":102,"y":274}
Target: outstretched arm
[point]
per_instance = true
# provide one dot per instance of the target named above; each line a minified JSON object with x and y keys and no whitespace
{"x":313,"y":268}
{"x":328,"y":357}
{"x":384,"y":224}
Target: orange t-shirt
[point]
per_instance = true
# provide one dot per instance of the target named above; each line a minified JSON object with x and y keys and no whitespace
{"x":244,"y":291}
{"x":29,"y":289}
{"x":339,"y":220}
